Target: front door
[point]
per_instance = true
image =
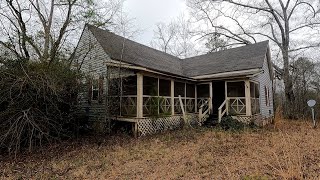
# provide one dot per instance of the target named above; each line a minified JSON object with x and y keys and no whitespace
{"x":218,"y":95}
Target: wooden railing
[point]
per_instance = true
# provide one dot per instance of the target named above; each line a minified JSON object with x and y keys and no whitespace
{"x":204,"y":111}
{"x":123,"y":105}
{"x":221,"y":112}
{"x":155,"y":105}
{"x":236,"y":105}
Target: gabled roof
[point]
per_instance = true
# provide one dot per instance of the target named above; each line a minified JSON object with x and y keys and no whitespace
{"x":236,"y":59}
{"x":135,"y":53}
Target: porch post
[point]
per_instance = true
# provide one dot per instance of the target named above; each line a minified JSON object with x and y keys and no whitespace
{"x":172,"y":97}
{"x":248,"y":98}
{"x":139,"y":95}
{"x":226,"y":96}
{"x":210,"y":93}
{"x":195,"y":98}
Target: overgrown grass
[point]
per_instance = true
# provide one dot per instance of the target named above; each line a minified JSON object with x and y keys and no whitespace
{"x":285,"y":150}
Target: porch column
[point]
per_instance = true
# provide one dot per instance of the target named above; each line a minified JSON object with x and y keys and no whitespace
{"x":210,"y":95}
{"x":248,"y":98}
{"x":226,"y":96}
{"x":172,"y":97}
{"x":195,"y":98}
{"x":139,"y":95}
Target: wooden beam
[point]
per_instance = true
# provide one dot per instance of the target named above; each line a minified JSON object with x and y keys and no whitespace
{"x":210,"y":95}
{"x":248,"y":97}
{"x":139,"y":95}
{"x":172,"y":97}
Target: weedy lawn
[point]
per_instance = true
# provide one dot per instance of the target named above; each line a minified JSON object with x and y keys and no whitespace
{"x":284,"y":150}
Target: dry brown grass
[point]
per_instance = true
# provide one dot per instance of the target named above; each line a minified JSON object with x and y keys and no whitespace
{"x":285,"y":150}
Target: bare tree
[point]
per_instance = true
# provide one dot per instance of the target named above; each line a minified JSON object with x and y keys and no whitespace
{"x":163,"y":36}
{"x":175,"y":38}
{"x":291,"y":26}
{"x":304,"y":75}
{"x":48,"y":29}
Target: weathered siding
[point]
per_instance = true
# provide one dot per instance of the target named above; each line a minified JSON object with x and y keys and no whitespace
{"x":265,"y":80}
{"x":91,"y":58}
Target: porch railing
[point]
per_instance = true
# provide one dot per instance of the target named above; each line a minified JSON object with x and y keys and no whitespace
{"x":154,"y":105}
{"x":123,"y":105}
{"x":222,"y":112}
{"x":236,"y":105}
{"x":204,"y":111}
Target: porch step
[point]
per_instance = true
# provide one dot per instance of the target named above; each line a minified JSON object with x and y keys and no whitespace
{"x":212,"y":120}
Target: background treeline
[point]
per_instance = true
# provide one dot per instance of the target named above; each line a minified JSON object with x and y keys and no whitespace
{"x":306,"y":85}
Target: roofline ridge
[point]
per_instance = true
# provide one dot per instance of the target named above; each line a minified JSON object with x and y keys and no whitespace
{"x":226,"y":50}
{"x":109,"y":31}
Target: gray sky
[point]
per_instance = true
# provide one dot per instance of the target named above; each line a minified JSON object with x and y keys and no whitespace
{"x":149,"y":12}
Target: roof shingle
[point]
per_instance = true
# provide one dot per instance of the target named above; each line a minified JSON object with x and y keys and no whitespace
{"x":240,"y":58}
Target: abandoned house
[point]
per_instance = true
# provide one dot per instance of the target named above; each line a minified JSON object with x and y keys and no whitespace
{"x":153,"y":90}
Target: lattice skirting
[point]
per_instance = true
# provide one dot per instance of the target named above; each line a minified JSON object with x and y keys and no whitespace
{"x":156,"y":125}
{"x":256,"y":119}
{"x":243,"y":119}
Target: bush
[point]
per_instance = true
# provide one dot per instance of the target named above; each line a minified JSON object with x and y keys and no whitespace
{"x":37,"y":102}
{"x":228,"y":123}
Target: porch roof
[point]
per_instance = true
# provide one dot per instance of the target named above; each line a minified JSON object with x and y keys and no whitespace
{"x":235,"y":59}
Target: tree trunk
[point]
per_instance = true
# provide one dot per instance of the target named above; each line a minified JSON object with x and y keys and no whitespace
{"x":288,"y":87}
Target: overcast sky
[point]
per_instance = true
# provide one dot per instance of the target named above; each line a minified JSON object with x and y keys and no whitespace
{"x":149,"y":12}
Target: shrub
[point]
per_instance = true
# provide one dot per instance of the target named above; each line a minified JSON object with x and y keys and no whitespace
{"x":228,"y":123}
{"x":36,"y":101}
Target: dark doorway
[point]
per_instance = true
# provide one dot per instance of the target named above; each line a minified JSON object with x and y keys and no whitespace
{"x":218,"y":95}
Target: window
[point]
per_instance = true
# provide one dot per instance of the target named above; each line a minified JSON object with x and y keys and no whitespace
{"x":95,"y":89}
{"x":255,"y":95}
{"x":266,"y":95}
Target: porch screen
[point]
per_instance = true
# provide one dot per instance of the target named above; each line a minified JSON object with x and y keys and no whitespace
{"x":254,"y":93}
{"x":179,"y":89}
{"x":164,"y":87}
{"x":165,"y":97}
{"x":129,"y":96}
{"x":236,"y":97}
{"x":122,"y":90}
{"x":150,"y":86}
{"x":235,"y":89}
{"x":203,"y":94}
{"x":113,"y":102}
{"x":150,"y":96}
{"x":190,"y":98}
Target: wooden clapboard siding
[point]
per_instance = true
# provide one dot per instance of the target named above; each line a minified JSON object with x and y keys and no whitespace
{"x":91,"y":55}
{"x":265,"y":80}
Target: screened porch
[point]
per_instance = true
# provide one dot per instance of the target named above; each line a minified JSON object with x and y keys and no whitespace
{"x":151,"y":96}
{"x":146,"y":95}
